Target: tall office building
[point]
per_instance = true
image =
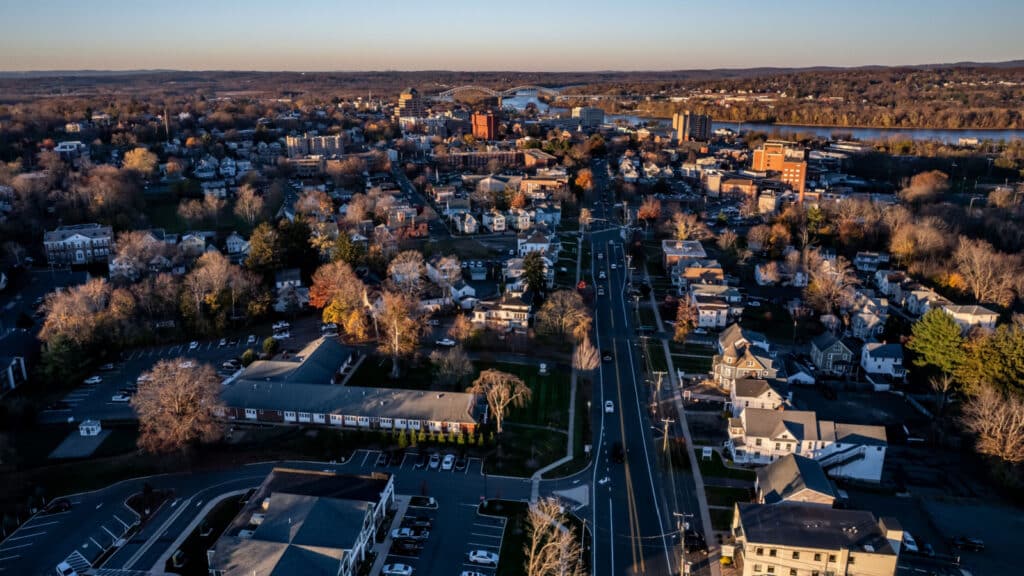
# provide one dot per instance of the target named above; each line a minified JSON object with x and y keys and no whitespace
{"x":485,"y":125}
{"x":410,"y":104}
{"x":589,"y":116}
{"x":690,"y":126}
{"x":786,"y":159}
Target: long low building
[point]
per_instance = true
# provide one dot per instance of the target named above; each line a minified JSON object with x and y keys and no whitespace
{"x":307,"y":388}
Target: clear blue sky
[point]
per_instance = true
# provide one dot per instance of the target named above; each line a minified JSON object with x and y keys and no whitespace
{"x":512,"y":35}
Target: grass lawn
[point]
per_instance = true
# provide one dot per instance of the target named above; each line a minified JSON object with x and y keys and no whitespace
{"x":691,"y":365}
{"x":771,"y":320}
{"x":581,"y":423}
{"x":549,"y":405}
{"x":721,"y":519}
{"x":656,"y":355}
{"x":714,"y":467}
{"x":375,"y":372}
{"x":521,"y":451}
{"x":722,"y":496}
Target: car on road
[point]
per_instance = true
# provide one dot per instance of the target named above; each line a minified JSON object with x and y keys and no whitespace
{"x":472,"y":573}
{"x":606,"y":355}
{"x":600,"y":291}
{"x":222,"y":343}
{"x":396,"y":570}
{"x":600,"y":255}
{"x":448,"y":342}
{"x":93,"y":380}
{"x":967,"y":543}
{"x":609,"y":406}
{"x":382,"y":460}
{"x":602,"y":275}
{"x":449,"y":462}
{"x":230,"y":364}
{"x":435,"y":461}
{"x":250,"y":340}
{"x":282,"y":325}
{"x":614,"y":266}
{"x":282,"y":335}
{"x":754,"y":303}
{"x":484,"y":557}
{"x":193,"y":345}
{"x":120,"y":398}
{"x":409,"y":534}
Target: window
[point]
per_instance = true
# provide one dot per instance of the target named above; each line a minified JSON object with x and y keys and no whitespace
{"x":759,"y":552}
{"x":757,"y":442}
{"x":796,"y":555}
{"x":772,"y":552}
{"x":776,"y":445}
{"x":792,"y":572}
{"x":831,"y":557}
{"x":250,"y":413}
{"x":771,"y":569}
{"x":817,"y":557}
{"x":815,"y":573}
{"x":757,"y":567}
{"x":851,"y":559}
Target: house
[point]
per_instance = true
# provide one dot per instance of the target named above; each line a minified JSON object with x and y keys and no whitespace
{"x":808,"y":538}
{"x":712,"y":311}
{"x":192,"y":244}
{"x":510,"y":313}
{"x":12,"y":372}
{"x":794,"y":478}
{"x":547,"y":214}
{"x":887,"y":281}
{"x":868,"y":315}
{"x":870,"y":261}
{"x":832,"y":355}
{"x":536,"y":242}
{"x":215,"y":188}
{"x":919,"y":301}
{"x":756,"y":393}
{"x":494,"y":221}
{"x":443,"y":270}
{"x":237,"y":245}
{"x":513,"y":274}
{"x":742,"y":354}
{"x":796,"y":372}
{"x":460,"y":292}
{"x":519,"y":219}
{"x":673,"y":251}
{"x":882,"y":364}
{"x":305,"y":522}
{"x":433,"y":298}
{"x":687,"y":272}
{"x":78,"y":244}
{"x":304,"y":389}
{"x":465,"y":223}
{"x":970,"y":317}
{"x":291,"y":295}
{"x":761,"y":436}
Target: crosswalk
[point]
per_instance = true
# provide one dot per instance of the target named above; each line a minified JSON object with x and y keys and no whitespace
{"x":78,"y":562}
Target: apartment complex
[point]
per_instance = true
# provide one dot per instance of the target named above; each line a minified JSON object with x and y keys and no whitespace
{"x":410,"y":105}
{"x":485,"y":125}
{"x":305,"y":522}
{"x":690,"y":126}
{"x":78,"y":244}
{"x":785,"y":159}
{"x":307,"y":145}
{"x":804,"y":539}
{"x":589,"y":116}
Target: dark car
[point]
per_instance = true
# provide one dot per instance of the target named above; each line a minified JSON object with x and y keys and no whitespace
{"x":968,"y":544}
{"x":460,"y":463}
{"x":618,"y":454}
{"x":606,"y":355}
{"x":408,"y":547}
{"x":421,"y":460}
{"x":59,"y":505}
{"x":417,"y":522}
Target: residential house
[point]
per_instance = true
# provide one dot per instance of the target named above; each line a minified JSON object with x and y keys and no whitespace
{"x":742,"y":354}
{"x":540,"y":188}
{"x":868,"y":315}
{"x":797,"y":372}
{"x":794,"y":479}
{"x":456,"y":206}
{"x":675,"y":251}
{"x":192,"y":244}
{"x":433,"y":298}
{"x":832,"y":355}
{"x":215,"y":188}
{"x":888,"y":280}
{"x":513,"y":274}
{"x":291,"y":294}
{"x":882,"y":364}
{"x":305,"y":522}
{"x":519,"y":219}
{"x":237,"y":246}
{"x":442,"y":270}
{"x":688,"y":272}
{"x":78,"y":244}
{"x":536,"y":242}
{"x":307,"y":388}
{"x":757,"y":393}
{"x":510,"y":313}
{"x":970,"y":317}
{"x":729,"y":294}
{"x":870,"y":261}
{"x":712,"y":311}
{"x":465,"y":223}
{"x":494,"y":221}
{"x":761,"y":436}
{"x":462,"y":293}
{"x":547,"y":214}
{"x":917,"y":302}
{"x":808,"y":539}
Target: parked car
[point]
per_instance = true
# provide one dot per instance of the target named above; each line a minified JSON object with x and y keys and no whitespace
{"x":418,"y":522}
{"x":382,"y":460}
{"x":93,"y":380}
{"x":435,"y":461}
{"x":449,"y":462}
{"x":602,"y":275}
{"x":282,"y":335}
{"x":484,"y":557}
{"x":187,"y":364}
{"x":222,"y":343}
{"x":967,"y":543}
{"x":59,"y":505}
{"x":120,"y":398}
{"x":448,"y":342}
{"x":421,"y":460}
{"x":230,"y":364}
{"x":609,"y":406}
{"x":107,"y":367}
{"x":143,"y":378}
{"x":250,"y":340}
{"x":406,"y":547}
{"x":409,"y":534}
{"x":754,"y":303}
{"x":606,"y":355}
{"x":396,"y":570}
{"x":65,"y":569}
{"x":472,"y":573}
{"x":193,"y":345}
{"x":232,"y":341}
{"x":282,"y":325}
{"x":460,"y":463}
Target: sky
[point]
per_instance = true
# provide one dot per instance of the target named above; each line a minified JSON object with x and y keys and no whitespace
{"x":526,"y":35}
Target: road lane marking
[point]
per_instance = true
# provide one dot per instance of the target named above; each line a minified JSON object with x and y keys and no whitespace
{"x":100,"y":505}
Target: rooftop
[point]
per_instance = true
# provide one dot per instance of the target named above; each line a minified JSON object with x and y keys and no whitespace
{"x":813,"y":526}
{"x":790,"y":475}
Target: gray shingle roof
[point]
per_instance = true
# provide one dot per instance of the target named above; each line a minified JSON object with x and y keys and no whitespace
{"x":812,"y":526}
{"x":790,"y":475}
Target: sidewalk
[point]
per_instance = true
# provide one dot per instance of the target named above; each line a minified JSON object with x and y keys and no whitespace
{"x":382,"y":548}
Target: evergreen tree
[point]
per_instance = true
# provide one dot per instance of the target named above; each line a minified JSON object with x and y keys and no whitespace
{"x":937,"y":341}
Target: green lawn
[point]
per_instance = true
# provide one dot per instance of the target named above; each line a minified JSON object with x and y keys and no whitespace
{"x":549,"y":405}
{"x":162,"y":212}
{"x":715,"y":468}
{"x":691,"y":365}
{"x":375,"y":372}
{"x":722,"y":496}
{"x":656,"y":355}
{"x":522,"y":451}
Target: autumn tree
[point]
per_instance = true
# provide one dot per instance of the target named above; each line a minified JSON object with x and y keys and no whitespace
{"x":338,"y":292}
{"x":552,"y":546}
{"x":140,"y":160}
{"x":134,"y":250}
{"x":650,"y":209}
{"x":452,"y":365}
{"x":564,"y":315}
{"x":215,"y":291}
{"x":925,"y":187}
{"x":502,"y":391}
{"x":687,"y":226}
{"x":461,"y":328}
{"x":248,"y":204}
{"x":177,"y":406}
{"x":406,"y":270}
{"x":449,"y":269}
{"x":585,"y":356}
{"x":686,"y":320}
{"x":936,"y":340}
{"x":585,"y":179}
{"x":519,"y":201}
{"x":400,"y":325}
{"x":997,"y":421}
{"x":586,"y":217}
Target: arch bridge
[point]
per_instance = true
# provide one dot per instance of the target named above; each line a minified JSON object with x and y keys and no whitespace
{"x":447,"y":94}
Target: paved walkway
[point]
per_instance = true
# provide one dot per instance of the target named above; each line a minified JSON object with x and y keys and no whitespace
{"x":382,"y":548}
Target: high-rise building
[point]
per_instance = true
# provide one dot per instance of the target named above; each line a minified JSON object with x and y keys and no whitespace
{"x":589,"y":116}
{"x":786,"y":159}
{"x":299,"y":146}
{"x":690,"y":126}
{"x":410,"y":104}
{"x":485,"y":125}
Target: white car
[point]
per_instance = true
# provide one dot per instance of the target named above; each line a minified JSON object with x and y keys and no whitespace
{"x":120,"y":398}
{"x":409,"y":534}
{"x":445,"y":342}
{"x":93,"y":380}
{"x":282,"y":325}
{"x":600,"y":291}
{"x":609,"y":406}
{"x":484,"y":557}
{"x":143,"y":378}
{"x":472,"y":573}
{"x":223,"y":342}
{"x":602,"y":275}
{"x":187,"y":364}
{"x":250,"y":340}
{"x":193,"y":345}
{"x":614,"y":266}
{"x":65,"y":569}
{"x":282,"y":335}
{"x":754,"y":303}
{"x":448,"y":462}
{"x":396,"y":570}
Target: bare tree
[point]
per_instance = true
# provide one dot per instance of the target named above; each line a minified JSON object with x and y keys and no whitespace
{"x":358,"y":208}
{"x":686,"y":320}
{"x":687,"y":226}
{"x":830,"y":284}
{"x":585,"y":357}
{"x":770,"y":272}
{"x":759,"y":237}
{"x":406,"y":270}
{"x":453,"y":365}
{"x":450,"y":270}
{"x":178,"y":406}
{"x":727,"y":240}
{"x":400,"y":325}
{"x":998,"y":423}
{"x":988,"y":274}
{"x":552,"y":546}
{"x":502,"y":391}
{"x":248,"y":204}
{"x":585,"y":218}
{"x":942,"y":385}
{"x":135,"y":249}
{"x":461,"y":329}
{"x":564,"y":314}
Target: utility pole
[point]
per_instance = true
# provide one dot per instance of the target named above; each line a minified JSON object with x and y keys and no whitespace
{"x":664,"y":441}
{"x":657,"y":390}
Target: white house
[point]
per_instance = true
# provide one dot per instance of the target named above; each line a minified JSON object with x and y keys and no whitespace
{"x":236,"y":244}
{"x":78,"y":244}
{"x":465,"y":223}
{"x":969,"y":317}
{"x":761,"y":436}
{"x":536,"y":242}
{"x":756,"y":393}
{"x":494,"y":221}
{"x":882,"y":363}
{"x":712,"y":311}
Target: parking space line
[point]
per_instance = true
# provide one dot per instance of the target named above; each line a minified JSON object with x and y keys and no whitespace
{"x":107,"y":530}
{"x":121,"y":521}
{"x":5,"y":549}
{"x":98,"y":545}
{"x":44,"y":523}
{"x":33,"y":535}
{"x":2,"y":558}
